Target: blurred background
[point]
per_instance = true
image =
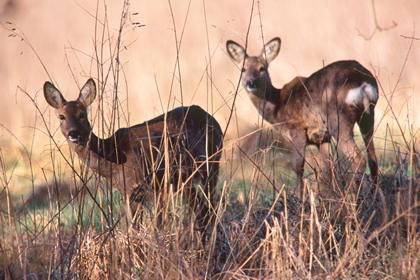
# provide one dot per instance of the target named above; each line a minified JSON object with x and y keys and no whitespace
{"x":173,"y":53}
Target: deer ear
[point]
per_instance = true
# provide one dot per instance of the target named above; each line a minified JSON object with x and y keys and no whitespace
{"x":235,"y":51}
{"x":87,"y":93}
{"x":53,"y":96}
{"x":271,"y":49}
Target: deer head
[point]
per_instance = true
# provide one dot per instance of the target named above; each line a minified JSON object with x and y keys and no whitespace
{"x":255,"y":77}
{"x":74,"y":124}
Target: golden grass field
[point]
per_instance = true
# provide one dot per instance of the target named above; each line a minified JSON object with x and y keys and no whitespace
{"x":172,"y":53}
{"x":62,"y":36}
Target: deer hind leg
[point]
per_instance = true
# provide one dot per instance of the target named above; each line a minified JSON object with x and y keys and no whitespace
{"x":327,"y":165}
{"x":366,"y":125}
{"x":136,"y":200}
{"x":353,"y":154}
{"x":319,"y":135}
{"x":190,"y":193}
{"x":204,"y":198}
{"x":207,"y":199}
{"x":199,"y":210}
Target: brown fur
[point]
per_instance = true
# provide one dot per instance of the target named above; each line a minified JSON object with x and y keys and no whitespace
{"x":180,"y":146}
{"x":314,"y":109}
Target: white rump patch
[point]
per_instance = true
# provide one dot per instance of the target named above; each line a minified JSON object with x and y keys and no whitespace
{"x":362,"y":96}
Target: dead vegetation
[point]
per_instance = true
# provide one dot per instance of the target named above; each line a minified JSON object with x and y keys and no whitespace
{"x":73,"y":226}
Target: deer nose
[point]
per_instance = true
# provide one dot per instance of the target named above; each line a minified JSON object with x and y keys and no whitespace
{"x":74,"y":135}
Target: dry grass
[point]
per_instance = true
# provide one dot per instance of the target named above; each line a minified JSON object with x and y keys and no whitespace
{"x":61,"y":221}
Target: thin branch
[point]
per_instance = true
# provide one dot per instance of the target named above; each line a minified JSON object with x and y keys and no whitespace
{"x":410,"y":37}
{"x":377,"y":26}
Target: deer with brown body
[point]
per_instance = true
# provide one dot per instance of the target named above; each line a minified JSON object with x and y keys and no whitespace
{"x":179,"y":147}
{"x":311,"y":110}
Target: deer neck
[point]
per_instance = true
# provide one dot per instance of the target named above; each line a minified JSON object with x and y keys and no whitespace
{"x":101,"y":155}
{"x":265,"y":101}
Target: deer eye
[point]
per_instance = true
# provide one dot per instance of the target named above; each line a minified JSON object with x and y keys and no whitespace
{"x":62,"y":117}
{"x":263,"y":69}
{"x":82,"y":116}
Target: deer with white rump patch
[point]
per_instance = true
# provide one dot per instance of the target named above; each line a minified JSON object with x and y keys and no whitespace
{"x":311,"y":110}
{"x":178,"y":147}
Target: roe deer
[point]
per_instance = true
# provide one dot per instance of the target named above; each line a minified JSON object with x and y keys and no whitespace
{"x":179,"y":146}
{"x":314,"y":109}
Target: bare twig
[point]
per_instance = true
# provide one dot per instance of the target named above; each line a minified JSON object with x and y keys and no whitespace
{"x":377,"y":26}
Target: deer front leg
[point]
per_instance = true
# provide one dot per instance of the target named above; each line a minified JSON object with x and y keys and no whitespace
{"x":299,"y":144}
